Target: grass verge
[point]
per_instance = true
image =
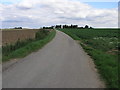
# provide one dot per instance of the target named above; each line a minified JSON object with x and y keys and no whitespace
{"x":106,"y":64}
{"x":29,"y":48}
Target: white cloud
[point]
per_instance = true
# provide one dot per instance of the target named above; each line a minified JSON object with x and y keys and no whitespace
{"x":36,"y":13}
{"x":24,"y":5}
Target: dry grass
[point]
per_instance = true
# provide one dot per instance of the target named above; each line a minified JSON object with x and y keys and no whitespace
{"x":12,"y":36}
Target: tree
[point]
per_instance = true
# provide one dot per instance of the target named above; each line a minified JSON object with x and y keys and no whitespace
{"x":58,"y":26}
{"x":86,"y":26}
{"x":65,"y":26}
{"x":91,"y":28}
{"x":18,"y":28}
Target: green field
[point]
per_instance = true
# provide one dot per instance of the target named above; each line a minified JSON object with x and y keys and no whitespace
{"x":102,"y":45}
{"x":22,"y":48}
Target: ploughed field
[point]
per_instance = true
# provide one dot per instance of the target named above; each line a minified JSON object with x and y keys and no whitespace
{"x":103,"y":46}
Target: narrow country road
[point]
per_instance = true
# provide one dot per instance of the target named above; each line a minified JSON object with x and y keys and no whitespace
{"x":62,"y":63}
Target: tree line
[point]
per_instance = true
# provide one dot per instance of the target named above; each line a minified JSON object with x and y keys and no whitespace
{"x":62,"y":26}
{"x":68,"y":26}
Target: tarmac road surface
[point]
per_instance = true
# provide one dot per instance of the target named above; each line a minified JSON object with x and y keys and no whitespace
{"x":62,"y":63}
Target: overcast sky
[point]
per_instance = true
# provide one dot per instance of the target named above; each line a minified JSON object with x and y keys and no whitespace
{"x":38,"y":13}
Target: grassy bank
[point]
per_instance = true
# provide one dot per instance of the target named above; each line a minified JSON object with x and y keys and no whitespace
{"x":102,"y":45}
{"x":22,"y":49}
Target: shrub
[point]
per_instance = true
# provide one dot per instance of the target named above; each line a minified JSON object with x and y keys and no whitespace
{"x":41,"y":34}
